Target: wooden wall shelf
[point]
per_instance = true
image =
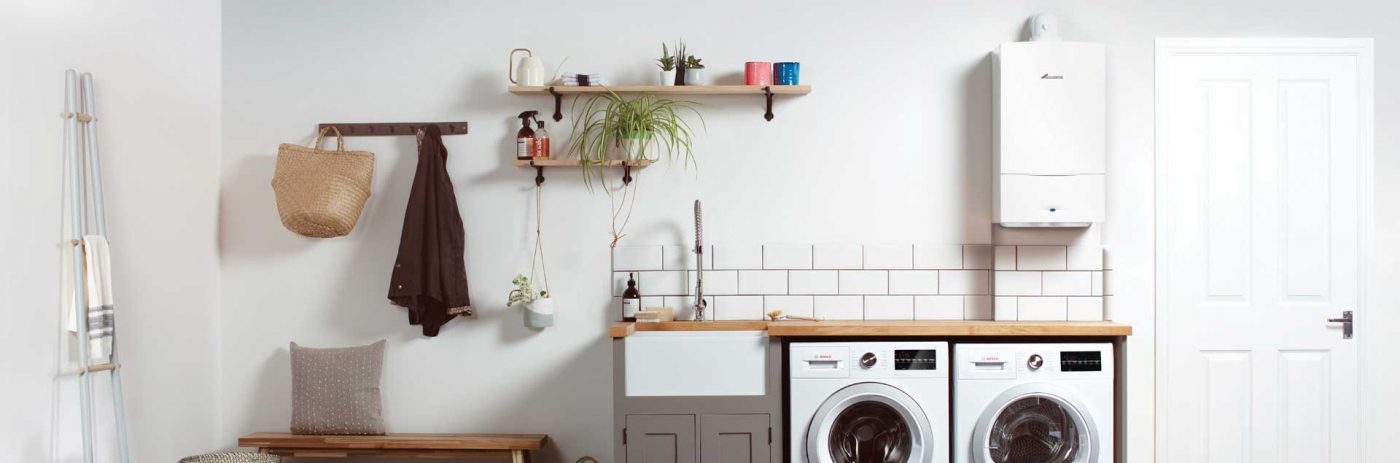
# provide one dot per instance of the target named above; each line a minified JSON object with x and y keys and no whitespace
{"x":539,"y":166}
{"x":558,"y":91}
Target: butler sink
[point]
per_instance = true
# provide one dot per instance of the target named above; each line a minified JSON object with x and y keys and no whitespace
{"x":696,"y":363}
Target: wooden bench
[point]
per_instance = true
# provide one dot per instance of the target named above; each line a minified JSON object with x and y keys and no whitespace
{"x":517,"y":447}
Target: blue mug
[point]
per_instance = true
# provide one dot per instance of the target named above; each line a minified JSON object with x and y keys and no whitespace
{"x":786,"y":73}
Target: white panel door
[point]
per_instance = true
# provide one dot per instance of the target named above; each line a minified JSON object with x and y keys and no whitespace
{"x":1262,"y":164}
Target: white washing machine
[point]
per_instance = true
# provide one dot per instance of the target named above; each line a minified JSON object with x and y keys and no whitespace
{"x":1034,"y":403}
{"x":868,"y":402}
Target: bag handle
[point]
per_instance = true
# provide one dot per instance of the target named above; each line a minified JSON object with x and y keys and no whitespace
{"x":339,"y":139}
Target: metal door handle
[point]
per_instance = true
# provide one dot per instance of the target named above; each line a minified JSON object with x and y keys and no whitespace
{"x":1346,"y":322}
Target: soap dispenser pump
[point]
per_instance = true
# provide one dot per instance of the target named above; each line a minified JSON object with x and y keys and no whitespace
{"x":525,"y":137}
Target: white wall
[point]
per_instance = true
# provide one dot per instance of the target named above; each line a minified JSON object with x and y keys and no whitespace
{"x":157,"y":81}
{"x":893,"y":145}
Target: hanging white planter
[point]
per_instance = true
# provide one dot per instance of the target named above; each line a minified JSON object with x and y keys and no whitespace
{"x":635,"y":146}
{"x":540,"y":313}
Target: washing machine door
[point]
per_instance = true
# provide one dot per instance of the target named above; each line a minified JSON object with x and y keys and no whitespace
{"x":1035,"y":423}
{"x":869,"y":423}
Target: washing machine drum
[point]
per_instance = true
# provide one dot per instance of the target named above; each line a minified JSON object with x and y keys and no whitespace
{"x":869,"y":423}
{"x":1035,"y":427}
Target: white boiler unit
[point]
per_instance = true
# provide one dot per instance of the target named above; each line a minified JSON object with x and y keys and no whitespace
{"x":1049,"y":134}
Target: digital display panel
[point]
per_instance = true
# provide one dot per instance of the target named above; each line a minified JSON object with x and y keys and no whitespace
{"x":916,"y":359}
{"x":1081,"y":361}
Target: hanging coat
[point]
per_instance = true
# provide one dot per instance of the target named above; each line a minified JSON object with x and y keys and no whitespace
{"x":430,"y":275}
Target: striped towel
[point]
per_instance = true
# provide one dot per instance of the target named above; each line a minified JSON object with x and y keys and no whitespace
{"x":97,"y":262}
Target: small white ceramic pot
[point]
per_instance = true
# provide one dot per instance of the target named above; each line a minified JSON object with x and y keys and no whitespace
{"x":668,"y":78}
{"x":635,"y":148}
{"x":539,"y":313}
{"x":694,"y":76}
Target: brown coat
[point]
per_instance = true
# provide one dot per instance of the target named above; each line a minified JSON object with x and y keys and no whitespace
{"x":430,"y":275}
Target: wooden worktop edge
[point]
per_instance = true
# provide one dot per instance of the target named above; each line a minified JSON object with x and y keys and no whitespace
{"x":886,"y":328}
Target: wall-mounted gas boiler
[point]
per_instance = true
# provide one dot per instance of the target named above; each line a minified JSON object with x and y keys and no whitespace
{"x":1049,"y":157}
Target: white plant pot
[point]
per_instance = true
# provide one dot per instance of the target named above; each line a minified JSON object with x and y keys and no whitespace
{"x":539,"y":313}
{"x":668,"y":78}
{"x":635,"y":149}
{"x":695,"y":76}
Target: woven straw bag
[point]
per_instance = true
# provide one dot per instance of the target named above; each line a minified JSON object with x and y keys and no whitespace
{"x":320,"y":193}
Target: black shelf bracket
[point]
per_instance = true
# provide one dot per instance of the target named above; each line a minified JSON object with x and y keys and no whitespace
{"x":626,"y":174}
{"x":768,"y":94}
{"x":558,"y":114}
{"x":539,"y":173}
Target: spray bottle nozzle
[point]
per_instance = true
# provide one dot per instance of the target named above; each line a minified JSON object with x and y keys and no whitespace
{"x":526,"y":116}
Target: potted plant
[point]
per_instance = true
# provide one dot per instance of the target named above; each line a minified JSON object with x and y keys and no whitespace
{"x":694,"y":71}
{"x":607,"y":126}
{"x":539,"y":307}
{"x":667,"y":63}
{"x":680,"y":62}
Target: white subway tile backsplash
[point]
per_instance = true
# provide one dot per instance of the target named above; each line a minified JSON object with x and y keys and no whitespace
{"x":839,"y":307}
{"x":977,"y":307}
{"x":938,"y":307}
{"x":1084,"y":258}
{"x":977,"y":257}
{"x":637,"y":258}
{"x":863,"y":282}
{"x":963,"y":282}
{"x":889,"y":256}
{"x":1040,"y":258}
{"x":717,"y":282}
{"x":662,"y":283}
{"x":913,"y":282}
{"x":1045,"y":308}
{"x":1096,"y":283}
{"x":889,"y":307}
{"x":647,"y":302}
{"x":812,"y":282}
{"x":683,"y":307}
{"x":1066,"y":284}
{"x":1004,"y":308}
{"x":790,"y":305}
{"x":787,"y":256}
{"x":836,"y":256}
{"x":1005,"y":258}
{"x":738,"y":308}
{"x":1108,"y":282}
{"x":738,"y":256}
{"x":763,"y":282}
{"x":1085,"y":309}
{"x":1017,"y":283}
{"x":938,"y":256}
{"x":683,"y":257}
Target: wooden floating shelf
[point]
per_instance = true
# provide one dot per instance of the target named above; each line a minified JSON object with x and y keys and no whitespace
{"x":558,"y":92}
{"x":576,"y":163}
{"x":668,"y":89}
{"x":885,"y":328}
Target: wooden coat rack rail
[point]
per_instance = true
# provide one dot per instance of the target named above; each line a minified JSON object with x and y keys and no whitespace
{"x":386,"y":129}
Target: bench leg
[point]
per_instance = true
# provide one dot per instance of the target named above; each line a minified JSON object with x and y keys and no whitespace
{"x":520,"y":456}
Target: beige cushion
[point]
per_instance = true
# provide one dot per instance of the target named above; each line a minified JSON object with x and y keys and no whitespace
{"x":336,"y":390}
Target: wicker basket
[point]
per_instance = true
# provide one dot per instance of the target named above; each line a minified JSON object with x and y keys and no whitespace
{"x":232,"y":458}
{"x":320,"y":193}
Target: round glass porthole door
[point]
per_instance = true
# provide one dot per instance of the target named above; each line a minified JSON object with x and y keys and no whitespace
{"x":1035,"y":427}
{"x":869,"y":423}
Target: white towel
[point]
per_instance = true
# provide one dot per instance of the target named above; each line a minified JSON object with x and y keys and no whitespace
{"x":98,"y":282}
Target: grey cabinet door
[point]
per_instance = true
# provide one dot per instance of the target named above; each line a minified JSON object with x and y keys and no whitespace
{"x":660,"y":439}
{"x":734,"y":438}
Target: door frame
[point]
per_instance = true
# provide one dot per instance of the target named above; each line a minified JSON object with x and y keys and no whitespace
{"x":1363,"y":49}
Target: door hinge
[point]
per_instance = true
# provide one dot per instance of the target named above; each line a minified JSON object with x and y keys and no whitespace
{"x":624,"y":436}
{"x":770,"y":435}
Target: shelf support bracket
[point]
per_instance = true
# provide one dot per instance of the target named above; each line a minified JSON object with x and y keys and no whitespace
{"x":626,"y":173}
{"x":539,"y":173}
{"x":768,"y":94}
{"x":558,"y":115}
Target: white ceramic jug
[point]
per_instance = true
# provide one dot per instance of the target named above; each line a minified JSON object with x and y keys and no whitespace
{"x":531,"y":69}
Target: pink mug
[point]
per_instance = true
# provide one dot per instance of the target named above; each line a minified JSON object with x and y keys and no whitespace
{"x":758,"y":73}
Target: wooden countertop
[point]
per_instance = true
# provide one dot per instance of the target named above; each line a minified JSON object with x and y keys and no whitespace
{"x":885,"y":328}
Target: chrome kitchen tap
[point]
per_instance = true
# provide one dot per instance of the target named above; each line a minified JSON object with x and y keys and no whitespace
{"x":699,"y":268}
